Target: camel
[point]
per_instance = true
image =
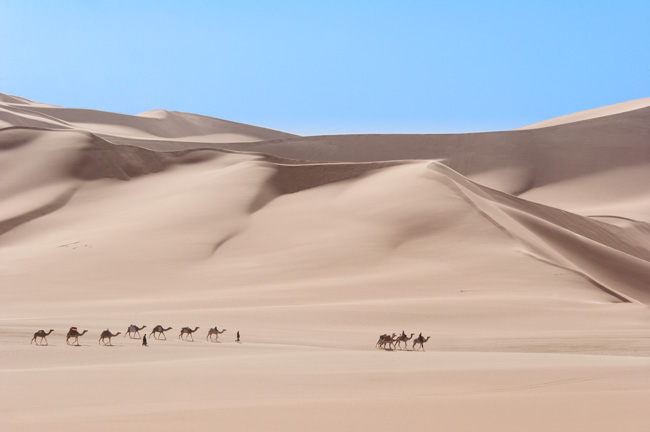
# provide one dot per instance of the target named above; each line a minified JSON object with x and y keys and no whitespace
{"x":160,"y":330}
{"x":133,"y":330}
{"x":403,"y":338}
{"x":41,"y":334}
{"x":106,"y":334}
{"x":420,"y":340}
{"x":214,"y":331}
{"x":74,"y":333}
{"x":187,"y":331}
{"x":386,"y":339}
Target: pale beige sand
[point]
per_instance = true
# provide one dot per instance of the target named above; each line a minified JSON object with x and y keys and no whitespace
{"x":536,"y":308}
{"x":592,"y":113}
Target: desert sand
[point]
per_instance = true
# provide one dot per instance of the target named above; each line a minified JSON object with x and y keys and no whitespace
{"x":524,"y":255}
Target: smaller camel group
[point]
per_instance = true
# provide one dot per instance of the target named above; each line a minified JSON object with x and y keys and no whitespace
{"x":392,"y":341}
{"x":133,"y":331}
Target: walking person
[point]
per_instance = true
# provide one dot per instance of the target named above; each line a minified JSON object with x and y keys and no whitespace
{"x":144,"y":340}
{"x":238,"y":337}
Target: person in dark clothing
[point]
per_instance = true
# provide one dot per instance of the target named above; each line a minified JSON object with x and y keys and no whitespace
{"x":144,"y":340}
{"x":238,"y":336}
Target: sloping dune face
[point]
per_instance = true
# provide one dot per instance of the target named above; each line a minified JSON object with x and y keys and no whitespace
{"x":500,"y":246}
{"x":158,"y":124}
{"x":593,"y":113}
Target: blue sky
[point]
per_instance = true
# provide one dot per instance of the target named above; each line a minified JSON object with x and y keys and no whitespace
{"x":331,"y":66}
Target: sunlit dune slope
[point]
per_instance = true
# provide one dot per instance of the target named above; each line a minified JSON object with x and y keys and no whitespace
{"x":592,"y":113}
{"x":151,"y":124}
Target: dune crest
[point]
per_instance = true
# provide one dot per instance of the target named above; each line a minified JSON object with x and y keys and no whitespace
{"x":592,"y":113}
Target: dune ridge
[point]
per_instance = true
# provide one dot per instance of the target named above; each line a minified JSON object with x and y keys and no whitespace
{"x":592,"y":113}
{"x":543,"y":156}
{"x":159,"y":123}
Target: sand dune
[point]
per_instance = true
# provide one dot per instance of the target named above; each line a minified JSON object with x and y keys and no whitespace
{"x":523,"y":254}
{"x":592,"y":113}
{"x":513,"y":161}
{"x":151,"y":124}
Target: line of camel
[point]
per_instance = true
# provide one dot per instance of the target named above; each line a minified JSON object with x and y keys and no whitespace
{"x":385,"y":341}
{"x":133,"y":331}
{"x":390,"y":342}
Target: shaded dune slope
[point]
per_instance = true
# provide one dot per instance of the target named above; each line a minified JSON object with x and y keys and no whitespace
{"x":532,"y":158}
{"x":616,"y":259}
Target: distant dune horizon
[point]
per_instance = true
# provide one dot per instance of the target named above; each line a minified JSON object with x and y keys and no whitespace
{"x":524,"y":255}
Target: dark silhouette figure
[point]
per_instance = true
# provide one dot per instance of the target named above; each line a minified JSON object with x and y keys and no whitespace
{"x":144,"y":340}
{"x":238,"y":336}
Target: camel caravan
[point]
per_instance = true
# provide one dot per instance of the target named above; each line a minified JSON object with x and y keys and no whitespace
{"x":133,"y":331}
{"x":393,"y":341}
{"x":389,"y":342}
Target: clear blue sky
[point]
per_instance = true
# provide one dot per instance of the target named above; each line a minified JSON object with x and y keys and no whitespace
{"x":319,"y":67}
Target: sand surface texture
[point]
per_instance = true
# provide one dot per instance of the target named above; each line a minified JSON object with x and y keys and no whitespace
{"x":524,"y":257}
